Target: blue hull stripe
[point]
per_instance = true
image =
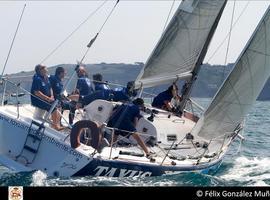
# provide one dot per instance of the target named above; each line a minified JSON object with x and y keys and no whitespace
{"x":116,"y":168}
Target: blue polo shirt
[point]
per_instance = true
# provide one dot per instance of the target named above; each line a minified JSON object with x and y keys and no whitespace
{"x":124,"y":117}
{"x":105,"y":88}
{"x":43,"y":85}
{"x":57,"y":86}
{"x":159,"y":100}
{"x":87,"y":99}
{"x":101,"y":86}
{"x":84,"y":86}
{"x":102,"y":91}
{"x":120,"y":94}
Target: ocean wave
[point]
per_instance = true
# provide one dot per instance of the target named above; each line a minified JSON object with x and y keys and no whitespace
{"x":181,"y":179}
{"x":251,"y":171}
{"x":39,"y":179}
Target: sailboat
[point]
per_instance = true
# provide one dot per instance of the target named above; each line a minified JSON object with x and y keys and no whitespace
{"x":180,"y":143}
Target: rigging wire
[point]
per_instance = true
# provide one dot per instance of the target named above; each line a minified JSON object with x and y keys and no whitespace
{"x":94,"y":39}
{"x":75,"y":30}
{"x":109,"y":16}
{"x":14,"y":37}
{"x":230,"y":33}
{"x":166,"y":22}
{"x":229,"y":39}
{"x":153,"y":90}
{"x":77,"y":66}
{"x":217,"y":49}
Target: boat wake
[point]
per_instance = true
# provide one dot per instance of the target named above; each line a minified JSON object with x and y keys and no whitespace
{"x":39,"y":179}
{"x":182,"y":179}
{"x":243,"y":171}
{"x":250,"y":172}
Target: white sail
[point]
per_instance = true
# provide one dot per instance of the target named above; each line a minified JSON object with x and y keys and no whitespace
{"x":182,"y":43}
{"x":241,"y":88}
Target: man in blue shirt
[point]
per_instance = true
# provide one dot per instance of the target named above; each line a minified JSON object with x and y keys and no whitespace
{"x":163,"y":99}
{"x":56,"y":81}
{"x":124,"y":94}
{"x":84,"y":86}
{"x":99,"y":83}
{"x":125,"y":119}
{"x":42,"y":94}
{"x":104,"y":92}
{"x":57,"y":87}
{"x":101,"y":87}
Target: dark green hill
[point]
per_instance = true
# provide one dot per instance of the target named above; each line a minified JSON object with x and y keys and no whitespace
{"x":209,"y":80}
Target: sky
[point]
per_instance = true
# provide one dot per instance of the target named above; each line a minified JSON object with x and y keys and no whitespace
{"x":129,"y":35}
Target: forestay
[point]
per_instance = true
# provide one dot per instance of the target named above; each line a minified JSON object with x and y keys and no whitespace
{"x":241,"y":88}
{"x":181,"y":44}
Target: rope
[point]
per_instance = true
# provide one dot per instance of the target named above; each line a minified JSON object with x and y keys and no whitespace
{"x":123,"y":137}
{"x":94,"y":39}
{"x":181,"y":141}
{"x":108,"y":16}
{"x":229,"y":39}
{"x":230,"y":33}
{"x":69,"y":36}
{"x":168,"y":16}
{"x":13,"y":40}
{"x":78,"y":65}
{"x":167,"y":152}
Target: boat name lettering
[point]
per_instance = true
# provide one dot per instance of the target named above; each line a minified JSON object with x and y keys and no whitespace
{"x":68,"y":165}
{"x":43,"y":136}
{"x":111,"y":171}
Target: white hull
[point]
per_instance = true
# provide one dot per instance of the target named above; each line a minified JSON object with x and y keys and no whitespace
{"x":55,"y":157}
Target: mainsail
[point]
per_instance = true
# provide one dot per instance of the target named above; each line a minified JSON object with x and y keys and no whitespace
{"x":241,"y":88}
{"x":182,"y":43}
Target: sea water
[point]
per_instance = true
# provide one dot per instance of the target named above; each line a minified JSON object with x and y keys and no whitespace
{"x":247,"y":163}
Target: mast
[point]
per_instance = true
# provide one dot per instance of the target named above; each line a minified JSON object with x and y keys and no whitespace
{"x":189,"y":84}
{"x":183,"y":44}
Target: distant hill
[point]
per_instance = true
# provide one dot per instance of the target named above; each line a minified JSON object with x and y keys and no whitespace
{"x":209,"y":80}
{"x":212,"y":76}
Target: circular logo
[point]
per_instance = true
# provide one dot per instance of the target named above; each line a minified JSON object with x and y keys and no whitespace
{"x":100,"y":108}
{"x":199,"y":193}
{"x":15,"y":193}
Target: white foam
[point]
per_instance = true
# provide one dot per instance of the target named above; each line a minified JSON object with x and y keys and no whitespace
{"x":255,"y":171}
{"x":259,"y":183}
{"x":39,"y":179}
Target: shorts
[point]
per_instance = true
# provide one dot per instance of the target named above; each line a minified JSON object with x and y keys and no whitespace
{"x":45,"y":106}
{"x":67,"y":105}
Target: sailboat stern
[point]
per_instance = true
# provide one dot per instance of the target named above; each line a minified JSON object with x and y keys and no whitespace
{"x":24,"y":146}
